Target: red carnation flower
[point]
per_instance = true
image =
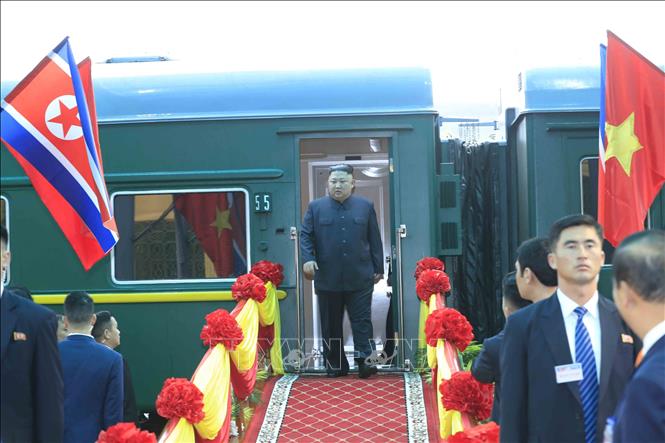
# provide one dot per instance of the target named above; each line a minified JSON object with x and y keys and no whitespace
{"x":249,"y":286}
{"x":448,"y":324}
{"x":432,"y":281}
{"x":428,"y":263}
{"x":464,"y":393}
{"x":485,"y":433}
{"x":268,"y":272}
{"x":126,"y":433}
{"x":180,"y":398}
{"x":221,"y":327}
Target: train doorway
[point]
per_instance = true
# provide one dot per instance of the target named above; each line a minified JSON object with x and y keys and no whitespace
{"x":370,"y":160}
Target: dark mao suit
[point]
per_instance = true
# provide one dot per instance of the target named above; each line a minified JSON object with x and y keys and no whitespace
{"x":32,"y":384}
{"x":534,"y":407}
{"x":93,"y":387}
{"x":640,"y":416}
{"x":486,"y":369}
{"x":344,"y":240}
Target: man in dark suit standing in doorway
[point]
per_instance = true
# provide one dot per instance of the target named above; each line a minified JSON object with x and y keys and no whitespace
{"x":342,"y":251}
{"x":565,"y":360}
{"x":32,"y":387}
{"x":639,"y":293}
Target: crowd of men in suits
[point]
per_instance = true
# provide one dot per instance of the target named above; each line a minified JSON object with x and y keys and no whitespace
{"x":59,"y":391}
{"x":567,"y":367}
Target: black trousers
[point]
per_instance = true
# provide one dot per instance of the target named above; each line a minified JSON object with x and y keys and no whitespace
{"x":331,"y":310}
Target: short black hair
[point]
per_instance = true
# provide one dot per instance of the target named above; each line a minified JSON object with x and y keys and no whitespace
{"x":342,"y":167}
{"x":21,"y":291}
{"x":4,"y":235}
{"x":532,"y":254}
{"x":570,"y":221}
{"x":79,"y":307}
{"x":102,"y":323}
{"x":640,"y":261}
{"x":510,"y":292}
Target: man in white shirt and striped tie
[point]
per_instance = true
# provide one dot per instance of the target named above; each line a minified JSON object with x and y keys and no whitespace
{"x":566,"y":360}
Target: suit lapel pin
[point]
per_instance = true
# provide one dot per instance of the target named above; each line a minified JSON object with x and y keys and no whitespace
{"x":20,"y":336}
{"x":626,"y":338}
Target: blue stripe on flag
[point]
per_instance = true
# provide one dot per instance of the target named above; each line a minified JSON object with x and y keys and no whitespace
{"x":57,"y":175}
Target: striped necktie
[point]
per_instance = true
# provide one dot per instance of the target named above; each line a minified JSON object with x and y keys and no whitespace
{"x":589,"y":384}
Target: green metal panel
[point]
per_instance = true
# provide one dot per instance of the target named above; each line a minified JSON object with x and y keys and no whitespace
{"x":449,"y":212}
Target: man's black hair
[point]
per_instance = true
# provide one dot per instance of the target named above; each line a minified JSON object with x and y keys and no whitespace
{"x":102,"y":323}
{"x":570,"y":221}
{"x":532,"y":254}
{"x":510,"y":292}
{"x":342,"y":167}
{"x":640,"y":261}
{"x":79,"y":307}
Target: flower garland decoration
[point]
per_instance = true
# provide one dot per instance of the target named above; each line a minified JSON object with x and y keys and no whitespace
{"x":268,"y":272}
{"x":126,"y":433}
{"x":485,"y":433}
{"x":448,"y":324}
{"x":180,"y":398}
{"x":464,"y":393}
{"x":248,"y":286}
{"x":432,"y":281}
{"x":221,"y":327}
{"x":428,"y":263}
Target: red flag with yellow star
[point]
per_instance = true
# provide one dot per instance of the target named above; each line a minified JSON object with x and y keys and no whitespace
{"x":208,"y":214}
{"x":632,"y":155}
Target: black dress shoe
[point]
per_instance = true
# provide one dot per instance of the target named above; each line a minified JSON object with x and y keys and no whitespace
{"x":365,"y":371}
{"x":335,"y":374}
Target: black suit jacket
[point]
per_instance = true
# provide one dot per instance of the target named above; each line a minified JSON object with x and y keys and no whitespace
{"x":32,"y":386}
{"x":486,"y":369}
{"x":536,"y":408}
{"x":345,"y":241}
{"x":640,"y":416}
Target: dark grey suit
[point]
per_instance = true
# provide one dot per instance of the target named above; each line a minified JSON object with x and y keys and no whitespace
{"x":534,"y":407}
{"x":344,"y":240}
{"x":486,"y":369}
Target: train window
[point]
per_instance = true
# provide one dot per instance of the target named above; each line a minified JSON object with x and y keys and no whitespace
{"x":176,"y":236}
{"x":4,"y":221}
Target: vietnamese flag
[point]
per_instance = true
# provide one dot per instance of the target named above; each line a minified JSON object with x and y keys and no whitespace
{"x":632,"y":140}
{"x":208,"y":214}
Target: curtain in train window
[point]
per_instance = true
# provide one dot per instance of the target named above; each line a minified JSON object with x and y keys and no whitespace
{"x":181,"y":236}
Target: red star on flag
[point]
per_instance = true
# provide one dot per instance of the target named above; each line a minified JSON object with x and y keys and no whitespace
{"x":67,"y":118}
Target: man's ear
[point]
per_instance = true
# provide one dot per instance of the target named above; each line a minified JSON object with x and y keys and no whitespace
{"x":551,"y":260}
{"x":93,"y":320}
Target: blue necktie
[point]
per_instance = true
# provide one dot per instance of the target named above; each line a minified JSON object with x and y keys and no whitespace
{"x":589,"y":384}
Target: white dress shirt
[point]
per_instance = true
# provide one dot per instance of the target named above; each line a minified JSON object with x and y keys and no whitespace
{"x":652,"y":337}
{"x":591,"y":320}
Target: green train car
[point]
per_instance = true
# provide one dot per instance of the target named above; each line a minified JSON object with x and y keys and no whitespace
{"x":242,"y":154}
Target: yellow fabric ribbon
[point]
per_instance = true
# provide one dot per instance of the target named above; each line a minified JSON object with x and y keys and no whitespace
{"x":244,"y":354}
{"x":269,"y":315}
{"x":183,"y":432}
{"x":214,"y":380}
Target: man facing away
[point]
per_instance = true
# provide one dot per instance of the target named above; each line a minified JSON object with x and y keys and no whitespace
{"x":485,"y":367}
{"x":93,"y":375}
{"x":342,"y":252}
{"x":32,"y":387}
{"x":106,"y":332}
{"x":639,"y":294}
{"x":566,"y":359}
{"x":536,"y":280}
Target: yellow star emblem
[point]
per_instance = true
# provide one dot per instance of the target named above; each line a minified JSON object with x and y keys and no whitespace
{"x":221,"y":221}
{"x":622,"y":142}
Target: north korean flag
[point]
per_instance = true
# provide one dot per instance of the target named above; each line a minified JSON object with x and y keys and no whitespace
{"x":49,"y":125}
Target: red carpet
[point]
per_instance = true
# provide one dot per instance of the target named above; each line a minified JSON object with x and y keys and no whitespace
{"x":383,"y":408}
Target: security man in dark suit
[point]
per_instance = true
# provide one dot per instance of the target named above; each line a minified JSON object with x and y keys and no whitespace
{"x":342,"y":251}
{"x":32,"y":385}
{"x":639,"y":293}
{"x":485,"y":367}
{"x":566,"y":360}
